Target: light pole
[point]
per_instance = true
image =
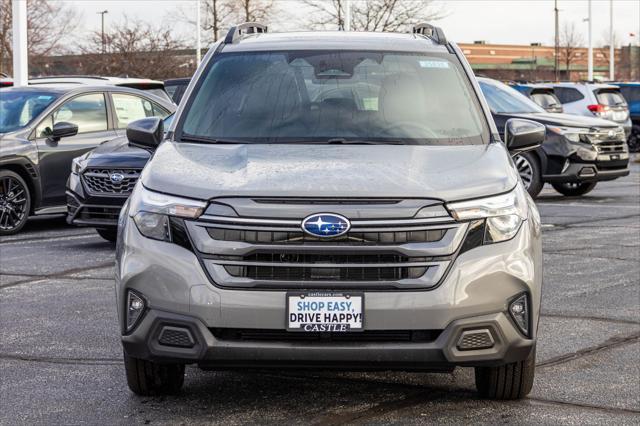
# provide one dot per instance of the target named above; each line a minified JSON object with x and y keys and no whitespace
{"x":590,"y":54}
{"x":556,"y":50}
{"x":104,"y":45}
{"x":20,"y":57}
{"x":347,"y":18}
{"x":198,"y":41}
{"x":611,"y":48}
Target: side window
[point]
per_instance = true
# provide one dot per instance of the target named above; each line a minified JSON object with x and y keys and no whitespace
{"x":130,"y":108}
{"x":567,"y":94}
{"x":88,"y":112}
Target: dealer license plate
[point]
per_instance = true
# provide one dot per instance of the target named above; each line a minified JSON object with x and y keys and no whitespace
{"x":325,"y":312}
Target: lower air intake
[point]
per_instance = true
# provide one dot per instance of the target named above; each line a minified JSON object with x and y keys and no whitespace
{"x":471,"y":340}
{"x":176,"y":337}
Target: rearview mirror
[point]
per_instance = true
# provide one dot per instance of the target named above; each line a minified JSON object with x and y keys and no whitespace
{"x":63,"y":129}
{"x":146,"y":133}
{"x":523,"y":135}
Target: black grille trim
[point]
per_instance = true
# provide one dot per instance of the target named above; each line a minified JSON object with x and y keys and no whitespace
{"x":351,"y":238}
{"x":98,"y":181}
{"x":248,"y":334}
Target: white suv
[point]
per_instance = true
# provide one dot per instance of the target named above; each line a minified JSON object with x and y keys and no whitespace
{"x":594,"y":100}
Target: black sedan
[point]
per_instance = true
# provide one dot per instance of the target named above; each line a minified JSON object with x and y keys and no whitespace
{"x":578,"y":151}
{"x":101,"y":181}
{"x":43,"y":127}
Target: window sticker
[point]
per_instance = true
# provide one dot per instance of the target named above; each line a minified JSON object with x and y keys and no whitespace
{"x":434,"y":64}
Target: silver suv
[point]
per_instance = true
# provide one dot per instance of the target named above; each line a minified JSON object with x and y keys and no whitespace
{"x":594,"y":100}
{"x":331,"y":200}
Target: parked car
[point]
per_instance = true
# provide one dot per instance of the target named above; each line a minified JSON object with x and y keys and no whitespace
{"x":154,"y":87}
{"x":332,"y":200}
{"x":5,"y":80}
{"x":43,"y":127}
{"x":578,"y":152}
{"x":541,"y":94}
{"x":631,"y":93}
{"x":101,"y":181}
{"x":594,"y":100}
{"x":176,"y":87}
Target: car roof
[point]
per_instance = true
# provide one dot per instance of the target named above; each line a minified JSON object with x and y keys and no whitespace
{"x":92,"y":80}
{"x":173,"y":81}
{"x":62,"y":88}
{"x":584,"y":84}
{"x":334,"y":40}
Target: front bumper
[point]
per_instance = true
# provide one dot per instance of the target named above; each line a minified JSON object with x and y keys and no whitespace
{"x":474,"y":295}
{"x":590,"y":171}
{"x":84,"y":209}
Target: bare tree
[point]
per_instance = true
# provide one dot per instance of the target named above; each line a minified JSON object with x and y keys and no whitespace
{"x":570,"y":43}
{"x":254,"y":10}
{"x":136,"y":49}
{"x":48,"y":23}
{"x":374,"y":15}
{"x":216,"y":16}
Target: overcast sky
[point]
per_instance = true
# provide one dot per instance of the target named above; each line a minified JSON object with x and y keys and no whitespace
{"x":506,"y":21}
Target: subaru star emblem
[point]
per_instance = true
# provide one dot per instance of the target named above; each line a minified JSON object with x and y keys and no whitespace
{"x":116,"y":177}
{"x":326,"y":225}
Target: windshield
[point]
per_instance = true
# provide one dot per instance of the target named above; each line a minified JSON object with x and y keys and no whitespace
{"x":545,"y":100}
{"x":502,"y":99}
{"x":19,"y":107}
{"x":326,"y":96}
{"x":610,"y":98}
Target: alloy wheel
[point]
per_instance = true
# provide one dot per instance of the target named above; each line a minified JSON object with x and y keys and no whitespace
{"x":13,"y":203}
{"x":525,"y":169}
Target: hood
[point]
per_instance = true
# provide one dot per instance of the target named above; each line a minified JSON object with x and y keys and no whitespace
{"x":564,"y":120}
{"x":117,"y":153}
{"x":448,"y":173}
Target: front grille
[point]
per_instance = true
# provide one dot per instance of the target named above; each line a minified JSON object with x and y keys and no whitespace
{"x":361,"y":336}
{"x":274,"y":252}
{"x":350,"y":238}
{"x":315,"y":267}
{"x":99,"y":181}
{"x":612,"y":147}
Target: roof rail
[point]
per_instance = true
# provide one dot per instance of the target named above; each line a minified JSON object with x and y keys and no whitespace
{"x":245,"y":28}
{"x":46,"y":77}
{"x":434,"y":33}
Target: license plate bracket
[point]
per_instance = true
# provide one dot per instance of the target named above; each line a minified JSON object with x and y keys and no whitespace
{"x":324,"y":311}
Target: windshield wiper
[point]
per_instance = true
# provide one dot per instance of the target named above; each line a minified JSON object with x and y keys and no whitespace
{"x":198,"y":139}
{"x":343,"y":141}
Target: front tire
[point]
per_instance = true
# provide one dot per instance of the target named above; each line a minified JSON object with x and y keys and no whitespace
{"x":148,"y":378}
{"x":510,"y":381}
{"x":15,"y":202}
{"x":574,"y":189}
{"x":528,"y":167}
{"x":108,"y":234}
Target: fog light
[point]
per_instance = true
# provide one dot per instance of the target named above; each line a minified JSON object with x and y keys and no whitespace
{"x":135,"y":309}
{"x":519,"y":311}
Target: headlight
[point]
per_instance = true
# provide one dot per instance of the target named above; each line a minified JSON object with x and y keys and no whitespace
{"x":571,"y":133}
{"x":151,"y":211}
{"x":503,"y":214}
{"x":76,"y":165}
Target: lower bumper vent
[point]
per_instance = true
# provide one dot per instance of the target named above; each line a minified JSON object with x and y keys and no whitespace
{"x":176,"y":337}
{"x":471,"y":340}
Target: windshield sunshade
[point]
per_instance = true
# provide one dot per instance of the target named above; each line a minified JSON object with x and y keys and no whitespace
{"x":315,"y":96}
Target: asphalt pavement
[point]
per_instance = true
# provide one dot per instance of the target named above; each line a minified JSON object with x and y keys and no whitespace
{"x":61,"y":359}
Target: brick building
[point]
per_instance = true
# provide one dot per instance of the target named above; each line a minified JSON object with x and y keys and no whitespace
{"x":536,"y":62}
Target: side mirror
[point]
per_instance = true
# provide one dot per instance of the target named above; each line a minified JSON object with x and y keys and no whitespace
{"x":523,"y":135}
{"x":146,"y":133}
{"x":63,"y":129}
